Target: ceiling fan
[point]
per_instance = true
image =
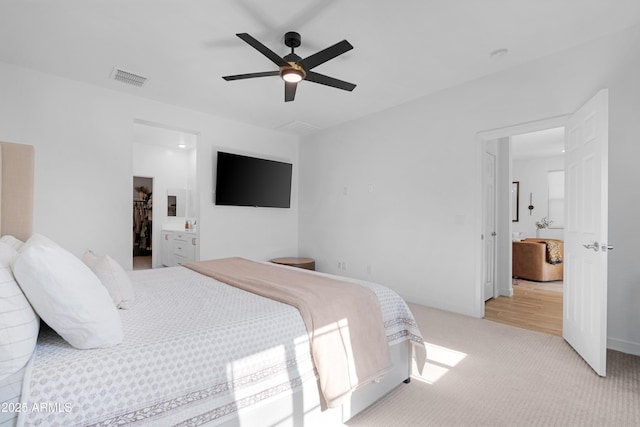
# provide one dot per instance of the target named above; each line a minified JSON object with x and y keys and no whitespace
{"x":293,"y":68}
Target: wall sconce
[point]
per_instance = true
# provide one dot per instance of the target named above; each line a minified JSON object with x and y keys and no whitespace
{"x":530,"y":203}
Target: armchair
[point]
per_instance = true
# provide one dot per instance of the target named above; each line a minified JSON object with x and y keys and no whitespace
{"x":530,"y":261}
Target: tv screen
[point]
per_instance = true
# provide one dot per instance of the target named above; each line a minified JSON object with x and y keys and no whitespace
{"x":250,"y":181}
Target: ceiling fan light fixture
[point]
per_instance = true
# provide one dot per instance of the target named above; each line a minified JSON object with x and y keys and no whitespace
{"x":294,"y":69}
{"x":292,"y":75}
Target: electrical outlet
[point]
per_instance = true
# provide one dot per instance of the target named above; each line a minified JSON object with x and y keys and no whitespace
{"x":368,"y":268}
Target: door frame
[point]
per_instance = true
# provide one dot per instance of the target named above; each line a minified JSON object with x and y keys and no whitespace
{"x":482,"y":138}
{"x":159,"y":213}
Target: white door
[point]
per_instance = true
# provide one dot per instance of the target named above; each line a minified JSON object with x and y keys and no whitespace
{"x":585,"y":250}
{"x":490,"y":225}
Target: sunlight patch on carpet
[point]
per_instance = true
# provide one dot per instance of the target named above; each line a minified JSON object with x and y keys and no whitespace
{"x":439,"y":361}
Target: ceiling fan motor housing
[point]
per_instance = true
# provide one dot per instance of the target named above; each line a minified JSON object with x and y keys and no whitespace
{"x":294,"y":72}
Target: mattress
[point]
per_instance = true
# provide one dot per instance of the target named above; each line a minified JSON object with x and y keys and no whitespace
{"x":196,"y":351}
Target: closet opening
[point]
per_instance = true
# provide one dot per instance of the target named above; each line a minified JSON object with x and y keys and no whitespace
{"x":142,"y":222}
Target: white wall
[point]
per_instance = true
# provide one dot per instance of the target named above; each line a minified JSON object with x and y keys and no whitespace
{"x":84,"y":165}
{"x":532,"y":175}
{"x":192,"y":184}
{"x":418,"y":230}
{"x":624,"y":203}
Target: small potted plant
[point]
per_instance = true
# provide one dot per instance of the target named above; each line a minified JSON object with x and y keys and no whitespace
{"x":542,"y":224}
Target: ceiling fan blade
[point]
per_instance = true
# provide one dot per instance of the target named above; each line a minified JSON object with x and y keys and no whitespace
{"x":329,"y":81}
{"x":251,"y":75}
{"x":325,"y":55}
{"x":289,"y":91}
{"x":263,"y":49}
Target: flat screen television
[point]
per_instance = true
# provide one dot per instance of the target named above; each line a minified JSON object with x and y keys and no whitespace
{"x":250,"y":181}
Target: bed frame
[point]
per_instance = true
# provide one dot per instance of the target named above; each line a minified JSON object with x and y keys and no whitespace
{"x":301,"y":408}
{"x":16,"y":218}
{"x":16,"y":200}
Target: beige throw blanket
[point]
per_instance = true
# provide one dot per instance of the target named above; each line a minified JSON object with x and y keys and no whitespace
{"x":344,"y":320}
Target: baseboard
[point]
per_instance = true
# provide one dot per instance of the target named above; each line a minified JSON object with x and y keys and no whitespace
{"x":506,"y":292}
{"x":623,"y":346}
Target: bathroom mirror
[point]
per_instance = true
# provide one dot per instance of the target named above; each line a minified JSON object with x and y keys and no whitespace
{"x":176,"y":201}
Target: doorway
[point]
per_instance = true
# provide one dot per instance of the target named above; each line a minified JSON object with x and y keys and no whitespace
{"x":536,"y":165}
{"x":169,"y":155}
{"x":142,"y":222}
{"x":504,"y":225}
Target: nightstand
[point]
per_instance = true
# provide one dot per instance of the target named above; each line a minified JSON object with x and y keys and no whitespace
{"x":306,"y":263}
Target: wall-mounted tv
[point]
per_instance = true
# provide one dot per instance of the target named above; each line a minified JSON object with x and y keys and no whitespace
{"x":250,"y":181}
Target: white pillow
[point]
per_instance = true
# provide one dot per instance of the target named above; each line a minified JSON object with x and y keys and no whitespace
{"x":16,"y":244}
{"x":19,"y":324}
{"x":113,"y":277}
{"x":67,"y":295}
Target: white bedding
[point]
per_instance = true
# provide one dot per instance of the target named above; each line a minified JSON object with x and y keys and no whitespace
{"x":195,"y":351}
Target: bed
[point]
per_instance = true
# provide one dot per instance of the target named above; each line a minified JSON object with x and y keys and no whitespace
{"x":195,"y":351}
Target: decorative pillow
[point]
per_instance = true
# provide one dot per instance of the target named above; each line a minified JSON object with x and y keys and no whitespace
{"x":67,"y":295}
{"x":11,"y":241}
{"x":19,"y":324}
{"x":113,"y":277}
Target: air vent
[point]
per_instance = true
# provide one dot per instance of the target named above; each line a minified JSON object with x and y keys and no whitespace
{"x":298,"y":128}
{"x":127,"y":77}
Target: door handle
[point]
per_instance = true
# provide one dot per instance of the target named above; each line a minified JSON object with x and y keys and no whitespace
{"x":594,"y":245}
{"x":598,"y":247}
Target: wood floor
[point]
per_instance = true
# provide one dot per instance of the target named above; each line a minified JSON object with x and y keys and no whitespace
{"x":534,"y":305}
{"x":142,"y":262}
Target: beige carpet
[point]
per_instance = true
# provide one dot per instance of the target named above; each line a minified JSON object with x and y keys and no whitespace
{"x":483,"y":373}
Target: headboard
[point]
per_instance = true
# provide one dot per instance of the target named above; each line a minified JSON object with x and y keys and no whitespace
{"x":16,"y":190}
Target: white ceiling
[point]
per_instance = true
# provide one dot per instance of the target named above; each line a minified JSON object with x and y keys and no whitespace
{"x":402,"y":50}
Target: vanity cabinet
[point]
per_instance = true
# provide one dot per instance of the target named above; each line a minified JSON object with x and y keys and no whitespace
{"x":178,"y":247}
